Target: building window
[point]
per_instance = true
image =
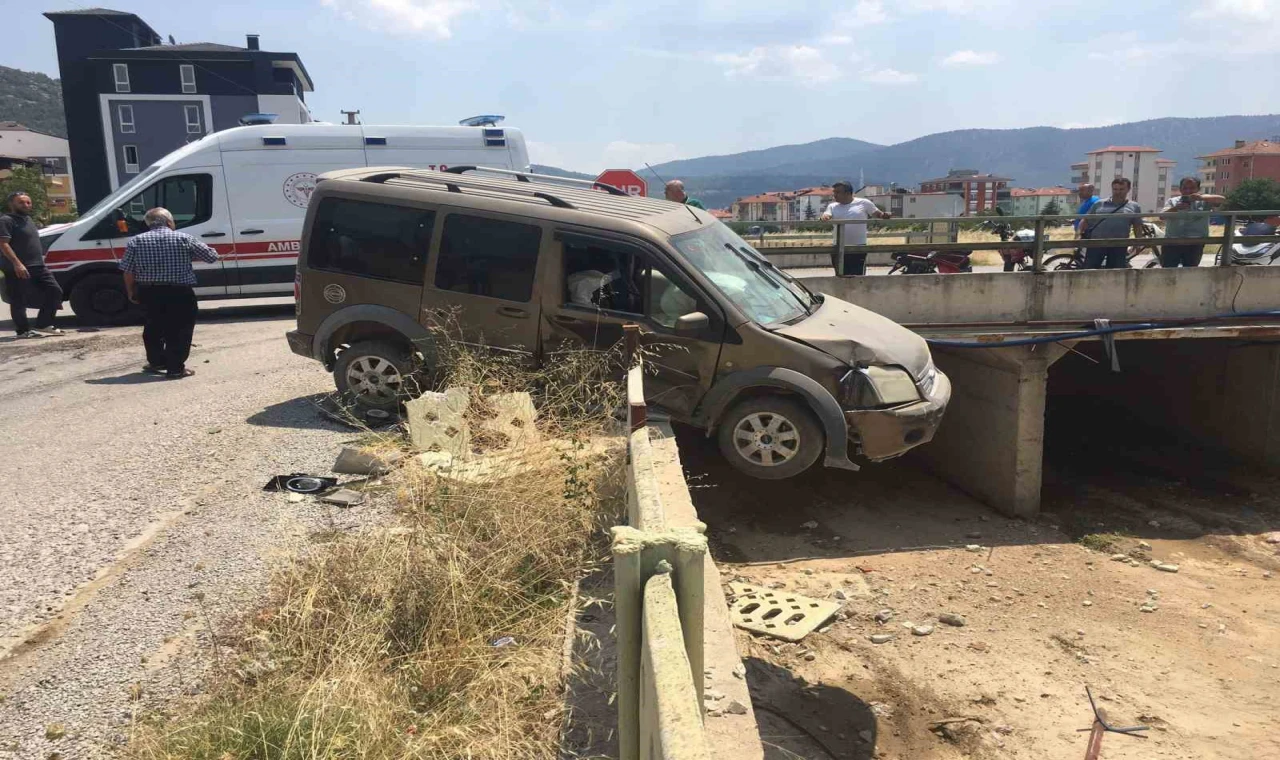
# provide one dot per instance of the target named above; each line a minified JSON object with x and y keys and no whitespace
{"x":121,"y":72}
{"x":131,"y":159}
{"x":193,"y":120}
{"x":188,"y":77}
{"x":125,"y":114}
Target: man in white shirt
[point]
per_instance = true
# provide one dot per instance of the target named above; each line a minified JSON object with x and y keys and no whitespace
{"x":846,"y":206}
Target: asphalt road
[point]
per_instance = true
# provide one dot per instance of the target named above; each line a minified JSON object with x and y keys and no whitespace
{"x":132,"y":515}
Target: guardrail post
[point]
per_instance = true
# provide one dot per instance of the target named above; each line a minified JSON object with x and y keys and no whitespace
{"x":839,"y":250}
{"x":1037,"y":260}
{"x":628,"y":602}
{"x":1228,"y":239}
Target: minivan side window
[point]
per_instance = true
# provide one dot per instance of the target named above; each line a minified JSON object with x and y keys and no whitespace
{"x":619,"y":280}
{"x":371,"y":240}
{"x":189,"y":197}
{"x":488,"y":257}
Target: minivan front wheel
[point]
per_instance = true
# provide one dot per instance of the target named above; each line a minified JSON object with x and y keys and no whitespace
{"x":770,"y":437}
{"x":373,"y":374}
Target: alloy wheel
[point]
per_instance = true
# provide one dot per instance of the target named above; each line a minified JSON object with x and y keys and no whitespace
{"x":766,"y":438}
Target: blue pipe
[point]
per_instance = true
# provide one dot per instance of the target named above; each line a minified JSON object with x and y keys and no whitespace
{"x":1097,"y":331}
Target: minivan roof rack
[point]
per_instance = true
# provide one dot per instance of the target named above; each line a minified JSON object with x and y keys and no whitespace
{"x":455,"y":186}
{"x":524,"y":177}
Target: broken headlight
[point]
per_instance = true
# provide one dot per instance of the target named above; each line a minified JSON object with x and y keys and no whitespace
{"x":876,"y":387}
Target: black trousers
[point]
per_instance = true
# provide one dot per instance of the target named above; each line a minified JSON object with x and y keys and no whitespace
{"x":170,"y":323}
{"x":41,"y":291}
{"x":1181,"y":255}
{"x":1106,"y":258}
{"x":854,"y":263}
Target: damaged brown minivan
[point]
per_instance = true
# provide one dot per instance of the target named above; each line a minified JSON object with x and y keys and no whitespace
{"x":736,"y":346}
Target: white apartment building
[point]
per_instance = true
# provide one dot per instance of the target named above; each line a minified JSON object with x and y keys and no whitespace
{"x":905,"y":205}
{"x":51,"y":153}
{"x":1151,"y":175}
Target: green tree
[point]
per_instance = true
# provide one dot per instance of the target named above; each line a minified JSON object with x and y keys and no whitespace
{"x":30,"y":180}
{"x":1051,"y":208}
{"x":1255,"y":195}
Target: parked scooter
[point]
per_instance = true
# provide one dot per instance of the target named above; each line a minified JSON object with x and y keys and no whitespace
{"x":1259,"y":254}
{"x":933,"y":262}
{"x":1019,"y":259}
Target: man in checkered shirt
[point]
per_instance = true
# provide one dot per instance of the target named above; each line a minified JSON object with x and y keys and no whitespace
{"x":158,"y":275}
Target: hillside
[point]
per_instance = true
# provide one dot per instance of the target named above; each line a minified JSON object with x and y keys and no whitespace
{"x":33,"y":99}
{"x":1032,"y":156}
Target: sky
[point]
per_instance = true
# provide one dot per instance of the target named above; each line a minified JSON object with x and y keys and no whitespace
{"x":598,"y":84}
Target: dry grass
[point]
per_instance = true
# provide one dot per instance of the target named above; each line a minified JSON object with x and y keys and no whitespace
{"x":382,"y":644}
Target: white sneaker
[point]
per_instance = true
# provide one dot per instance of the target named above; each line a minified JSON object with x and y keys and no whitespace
{"x":30,"y":334}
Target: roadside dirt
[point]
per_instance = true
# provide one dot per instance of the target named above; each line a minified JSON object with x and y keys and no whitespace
{"x":1044,"y":614}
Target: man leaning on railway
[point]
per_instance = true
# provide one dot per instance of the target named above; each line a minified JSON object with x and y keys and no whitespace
{"x":158,"y":274}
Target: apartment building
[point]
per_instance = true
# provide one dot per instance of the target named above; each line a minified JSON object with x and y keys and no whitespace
{"x":810,"y":202}
{"x":1224,"y":170}
{"x":904,"y":204}
{"x":766,"y":207}
{"x":979,"y":192}
{"x":1152,"y":176}
{"x":20,"y":145}
{"x":130,"y":99}
{"x":1034,"y":201}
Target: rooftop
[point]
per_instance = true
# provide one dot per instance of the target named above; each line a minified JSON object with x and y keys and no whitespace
{"x":1268,"y":147}
{"x":1126,"y":149}
{"x":13,"y":126}
{"x":89,"y":12}
{"x":968,"y":178}
{"x":1026,"y":192}
{"x":196,"y":47}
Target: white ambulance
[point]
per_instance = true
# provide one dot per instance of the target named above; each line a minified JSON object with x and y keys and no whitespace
{"x":244,"y":191}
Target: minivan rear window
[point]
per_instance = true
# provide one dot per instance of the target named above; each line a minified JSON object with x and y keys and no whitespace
{"x":371,"y":240}
{"x":488,"y":257}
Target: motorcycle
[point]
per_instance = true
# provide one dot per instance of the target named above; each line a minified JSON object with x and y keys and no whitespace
{"x":1014,"y":258}
{"x":933,"y":262}
{"x":1259,"y":254}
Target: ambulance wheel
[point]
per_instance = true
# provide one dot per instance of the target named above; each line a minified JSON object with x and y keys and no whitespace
{"x":373,"y":374}
{"x":100,"y":299}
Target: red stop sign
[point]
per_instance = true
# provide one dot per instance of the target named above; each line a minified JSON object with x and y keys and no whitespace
{"x":625,"y":180}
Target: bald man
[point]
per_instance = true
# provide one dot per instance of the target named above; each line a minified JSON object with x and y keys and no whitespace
{"x":674,"y":192}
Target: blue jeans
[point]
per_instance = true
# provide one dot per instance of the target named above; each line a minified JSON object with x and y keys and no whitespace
{"x":1106,"y":258}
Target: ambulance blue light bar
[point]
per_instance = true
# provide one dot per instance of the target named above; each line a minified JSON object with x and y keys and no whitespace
{"x":484,"y":120}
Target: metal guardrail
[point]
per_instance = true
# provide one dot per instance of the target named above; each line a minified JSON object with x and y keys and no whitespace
{"x":1042,"y":242}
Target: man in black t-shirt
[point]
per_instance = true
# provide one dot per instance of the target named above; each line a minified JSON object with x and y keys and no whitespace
{"x":26,"y":279}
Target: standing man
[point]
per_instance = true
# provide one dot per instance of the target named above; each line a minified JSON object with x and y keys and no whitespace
{"x":1191,"y":199}
{"x":27,"y":281}
{"x":1100,"y":222}
{"x":674,"y":192}
{"x":1088,"y":196}
{"x":846,"y":206}
{"x":158,"y":275}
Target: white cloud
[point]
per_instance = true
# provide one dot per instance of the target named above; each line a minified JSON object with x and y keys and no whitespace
{"x":971,"y":58}
{"x":1139,"y":52}
{"x":889,"y":76}
{"x":799,"y":63}
{"x":866,"y":12}
{"x":1240,"y":10}
{"x":957,"y":7}
{"x":430,"y":17}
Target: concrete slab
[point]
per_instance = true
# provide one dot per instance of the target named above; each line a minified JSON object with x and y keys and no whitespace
{"x":437,"y":422}
{"x":514,"y":419}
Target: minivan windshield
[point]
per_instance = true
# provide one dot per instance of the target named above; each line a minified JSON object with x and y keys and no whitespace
{"x":745,"y":277}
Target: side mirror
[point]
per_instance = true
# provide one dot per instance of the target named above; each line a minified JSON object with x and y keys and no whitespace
{"x":692,"y":323}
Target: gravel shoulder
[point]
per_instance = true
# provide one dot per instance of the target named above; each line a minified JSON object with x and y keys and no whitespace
{"x":134,"y":516}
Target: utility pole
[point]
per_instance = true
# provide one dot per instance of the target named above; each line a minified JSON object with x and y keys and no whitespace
{"x":351,"y":116}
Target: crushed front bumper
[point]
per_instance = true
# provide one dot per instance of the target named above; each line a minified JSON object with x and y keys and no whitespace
{"x":886,"y":433}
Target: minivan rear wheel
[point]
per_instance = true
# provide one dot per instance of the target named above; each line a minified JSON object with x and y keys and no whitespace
{"x":373,"y":374}
{"x":770,"y":437}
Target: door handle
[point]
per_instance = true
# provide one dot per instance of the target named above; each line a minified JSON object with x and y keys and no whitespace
{"x":511,"y":311}
{"x":214,"y":234}
{"x":252,"y":232}
{"x":564,"y":319}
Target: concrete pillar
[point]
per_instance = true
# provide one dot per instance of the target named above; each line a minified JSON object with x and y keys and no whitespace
{"x":991,"y":441}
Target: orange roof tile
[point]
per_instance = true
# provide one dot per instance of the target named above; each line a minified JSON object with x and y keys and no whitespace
{"x":1126,"y":149}
{"x":1248,"y":149}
